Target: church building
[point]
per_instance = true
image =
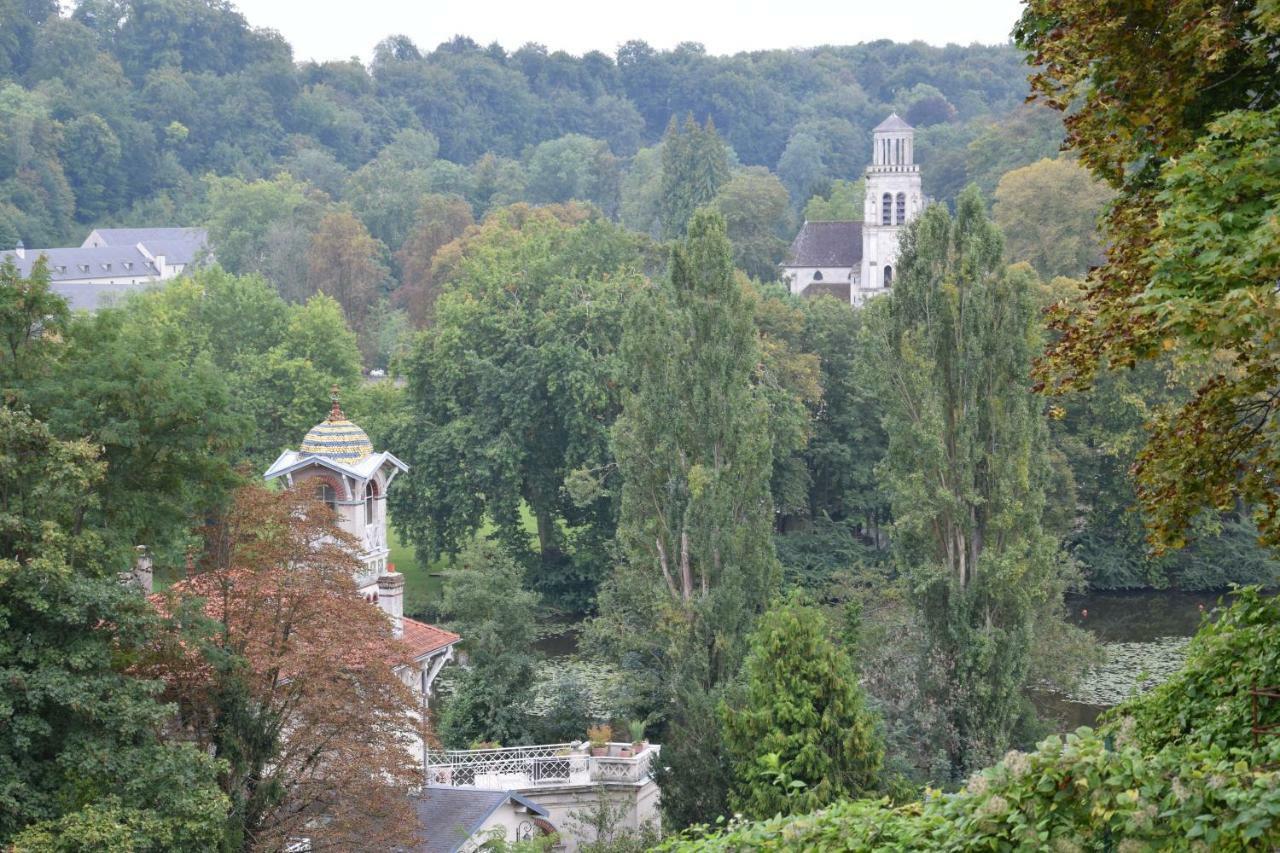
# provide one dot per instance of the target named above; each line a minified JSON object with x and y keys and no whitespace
{"x":856,"y":260}
{"x":338,"y":461}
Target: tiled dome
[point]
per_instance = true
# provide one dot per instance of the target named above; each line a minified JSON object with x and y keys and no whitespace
{"x":337,"y":438}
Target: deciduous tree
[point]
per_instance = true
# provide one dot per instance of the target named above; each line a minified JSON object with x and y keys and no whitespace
{"x":965,"y":469}
{"x":1178,"y":111}
{"x":694,"y":451}
{"x":279,"y":669}
{"x":1049,"y":214}
{"x":82,"y":748}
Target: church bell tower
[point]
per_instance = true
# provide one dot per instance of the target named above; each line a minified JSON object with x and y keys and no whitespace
{"x":894,"y":198}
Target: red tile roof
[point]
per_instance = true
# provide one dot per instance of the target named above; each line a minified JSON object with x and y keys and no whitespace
{"x":422,"y":638}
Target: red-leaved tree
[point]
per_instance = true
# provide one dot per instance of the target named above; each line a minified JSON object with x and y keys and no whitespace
{"x":281,"y":670}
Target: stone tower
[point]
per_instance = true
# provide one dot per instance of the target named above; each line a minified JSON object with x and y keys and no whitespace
{"x":894,"y":198}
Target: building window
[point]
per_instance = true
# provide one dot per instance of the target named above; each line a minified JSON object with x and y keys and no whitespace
{"x":902,"y":208}
{"x":370,"y":495}
{"x":888,"y":276}
{"x":327,"y":496}
{"x":817,"y":276}
{"x":886,"y":210}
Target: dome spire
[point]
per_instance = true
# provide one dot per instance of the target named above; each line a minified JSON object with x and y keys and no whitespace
{"x":335,"y":413}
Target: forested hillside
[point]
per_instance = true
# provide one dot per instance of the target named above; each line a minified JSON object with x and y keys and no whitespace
{"x":124,"y":111}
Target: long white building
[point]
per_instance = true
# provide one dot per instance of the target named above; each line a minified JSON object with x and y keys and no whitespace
{"x":113,"y":262}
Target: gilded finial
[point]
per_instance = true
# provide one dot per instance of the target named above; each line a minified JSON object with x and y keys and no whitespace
{"x":335,"y":414}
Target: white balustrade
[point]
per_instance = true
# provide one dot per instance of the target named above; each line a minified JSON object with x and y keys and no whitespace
{"x":557,"y":764}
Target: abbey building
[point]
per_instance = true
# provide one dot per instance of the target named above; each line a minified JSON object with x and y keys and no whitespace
{"x":856,"y":260}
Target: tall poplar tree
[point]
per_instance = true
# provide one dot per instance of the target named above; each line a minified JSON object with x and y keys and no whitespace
{"x":694,"y":450}
{"x":965,"y":466}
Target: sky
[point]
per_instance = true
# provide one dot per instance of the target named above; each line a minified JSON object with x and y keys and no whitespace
{"x":340,"y":29}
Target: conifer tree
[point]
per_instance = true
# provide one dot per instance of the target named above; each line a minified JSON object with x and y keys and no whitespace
{"x":800,"y":737}
{"x":695,"y":164}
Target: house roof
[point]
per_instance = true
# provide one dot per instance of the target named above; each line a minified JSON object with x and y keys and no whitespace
{"x":450,"y":816}
{"x":892,"y":123}
{"x":363,"y":470}
{"x":178,"y":245}
{"x":827,"y":244}
{"x":103,"y":262}
{"x":423,"y":639}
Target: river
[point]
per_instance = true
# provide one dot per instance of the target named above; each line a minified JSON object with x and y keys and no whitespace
{"x":1143,"y":630}
{"x":1140,"y":631}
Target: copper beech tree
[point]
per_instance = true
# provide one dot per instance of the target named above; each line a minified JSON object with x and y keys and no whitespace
{"x":280,"y":669}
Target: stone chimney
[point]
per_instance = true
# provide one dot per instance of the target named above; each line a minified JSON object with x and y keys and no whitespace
{"x":391,"y":600}
{"x":20,"y":250}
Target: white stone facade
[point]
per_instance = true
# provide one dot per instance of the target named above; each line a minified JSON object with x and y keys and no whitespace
{"x":894,"y":198}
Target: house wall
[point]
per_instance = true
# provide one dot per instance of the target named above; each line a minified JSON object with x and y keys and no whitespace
{"x":568,"y":806}
{"x":506,"y":823}
{"x":799,"y":278}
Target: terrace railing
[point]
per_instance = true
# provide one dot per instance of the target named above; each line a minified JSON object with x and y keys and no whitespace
{"x":546,"y":765}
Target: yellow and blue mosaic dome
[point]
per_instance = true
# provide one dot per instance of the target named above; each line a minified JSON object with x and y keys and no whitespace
{"x":337,"y":438}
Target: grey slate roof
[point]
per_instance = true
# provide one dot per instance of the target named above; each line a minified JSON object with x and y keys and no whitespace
{"x":74,"y":259}
{"x":178,"y":245}
{"x":91,"y":296}
{"x":892,"y":123}
{"x":827,"y":244}
{"x":448,"y":816}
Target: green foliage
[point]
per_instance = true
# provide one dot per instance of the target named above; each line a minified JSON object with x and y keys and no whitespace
{"x":514,"y":387}
{"x":574,"y":167}
{"x":965,"y":468}
{"x":163,"y":417}
{"x":1176,"y":768}
{"x":799,"y":735}
{"x":754,"y":205}
{"x":848,"y":439}
{"x":694,"y":449}
{"x":1071,"y":793}
{"x":486,"y":602}
{"x":695,"y":164}
{"x":1208,"y":702}
{"x":1178,"y":113}
{"x":843,"y":201}
{"x":80,"y":756}
{"x":31,"y":319}
{"x":1049,"y":214}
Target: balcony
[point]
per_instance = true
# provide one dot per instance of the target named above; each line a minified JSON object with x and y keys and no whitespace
{"x":545,"y":766}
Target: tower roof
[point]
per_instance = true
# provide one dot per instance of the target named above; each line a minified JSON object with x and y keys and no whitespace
{"x":892,"y":123}
{"x":336,"y":437}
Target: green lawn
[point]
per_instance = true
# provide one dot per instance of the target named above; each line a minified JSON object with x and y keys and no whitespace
{"x":423,"y":585}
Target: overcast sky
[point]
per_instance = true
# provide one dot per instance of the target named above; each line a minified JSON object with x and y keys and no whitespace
{"x":338,"y":29}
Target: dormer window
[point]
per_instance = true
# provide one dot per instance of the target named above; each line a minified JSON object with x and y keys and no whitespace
{"x":106,"y":267}
{"x":83,"y":267}
{"x":128,"y":265}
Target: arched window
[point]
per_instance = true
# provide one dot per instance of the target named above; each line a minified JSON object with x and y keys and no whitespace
{"x":326,"y":495}
{"x":902,"y":208}
{"x":370,"y":507}
{"x":817,"y":276}
{"x":888,"y":276}
{"x":886,"y":209}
